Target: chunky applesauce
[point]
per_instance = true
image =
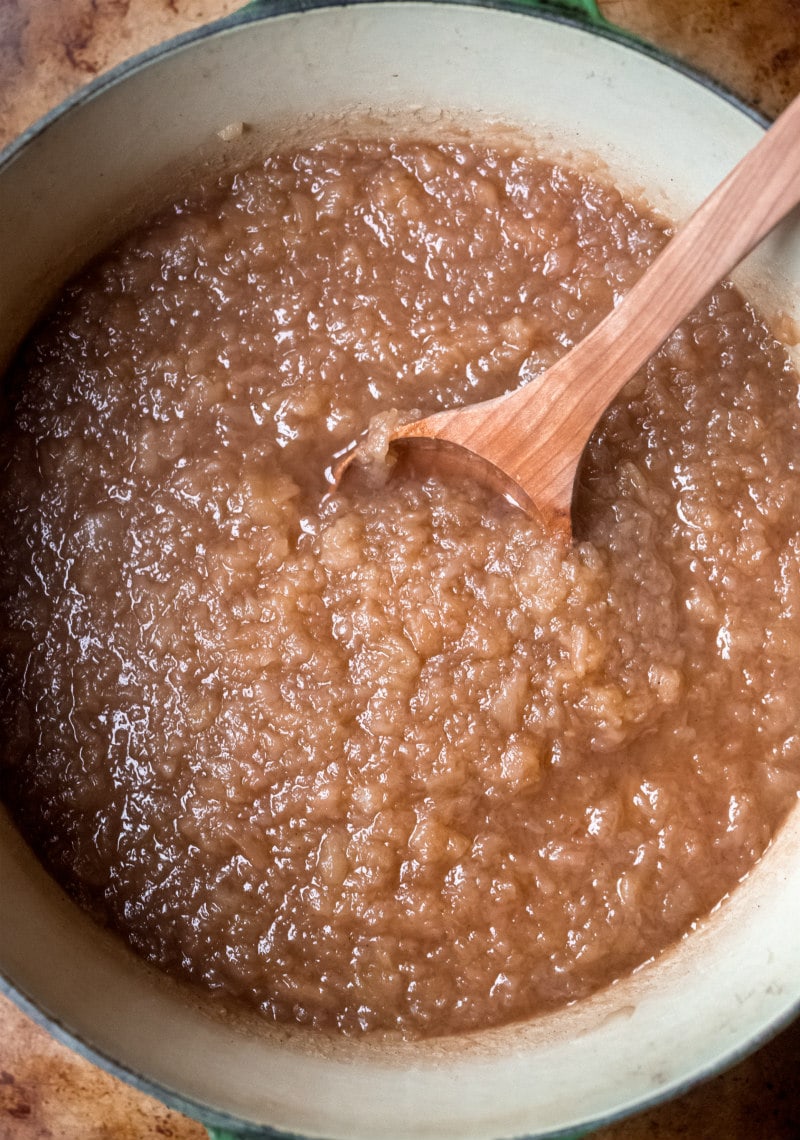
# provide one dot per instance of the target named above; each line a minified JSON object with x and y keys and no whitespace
{"x":391,"y":758}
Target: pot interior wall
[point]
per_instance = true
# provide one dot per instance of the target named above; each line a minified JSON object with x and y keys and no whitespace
{"x":63,"y":194}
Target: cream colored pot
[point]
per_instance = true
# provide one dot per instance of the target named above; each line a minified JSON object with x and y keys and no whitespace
{"x":67,"y":187}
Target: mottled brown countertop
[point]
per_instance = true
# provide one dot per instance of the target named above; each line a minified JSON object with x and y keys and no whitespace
{"x":47,"y":49}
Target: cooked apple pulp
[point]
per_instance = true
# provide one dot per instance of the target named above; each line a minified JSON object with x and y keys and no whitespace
{"x":391,"y":758}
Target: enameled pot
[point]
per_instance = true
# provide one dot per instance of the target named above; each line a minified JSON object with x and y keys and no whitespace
{"x":70,"y":185}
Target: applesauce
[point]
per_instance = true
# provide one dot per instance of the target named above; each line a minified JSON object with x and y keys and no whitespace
{"x":391,"y":758}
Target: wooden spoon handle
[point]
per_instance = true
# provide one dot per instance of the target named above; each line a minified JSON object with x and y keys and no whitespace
{"x":740,"y":212}
{"x":537,"y":433}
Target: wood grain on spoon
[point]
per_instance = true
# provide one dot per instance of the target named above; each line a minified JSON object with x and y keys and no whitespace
{"x":530,"y":441}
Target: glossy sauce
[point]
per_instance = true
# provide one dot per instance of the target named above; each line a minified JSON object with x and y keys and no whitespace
{"x":391,"y":758}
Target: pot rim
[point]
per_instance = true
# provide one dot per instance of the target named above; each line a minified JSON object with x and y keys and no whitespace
{"x":262,"y":10}
{"x":258,"y":11}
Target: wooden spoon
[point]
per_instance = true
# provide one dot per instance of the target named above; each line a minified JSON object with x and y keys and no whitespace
{"x":529,"y":442}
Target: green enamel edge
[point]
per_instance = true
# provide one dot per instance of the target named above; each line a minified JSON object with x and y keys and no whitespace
{"x":586,"y":9}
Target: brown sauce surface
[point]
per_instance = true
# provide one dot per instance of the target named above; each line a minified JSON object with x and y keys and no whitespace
{"x":391,"y":759}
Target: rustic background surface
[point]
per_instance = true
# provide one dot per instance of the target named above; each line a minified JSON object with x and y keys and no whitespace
{"x":48,"y":48}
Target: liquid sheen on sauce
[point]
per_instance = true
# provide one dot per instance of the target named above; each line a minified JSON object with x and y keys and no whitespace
{"x":391,"y":758}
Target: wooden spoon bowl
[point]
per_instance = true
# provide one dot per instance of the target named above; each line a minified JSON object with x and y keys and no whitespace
{"x":528,"y":443}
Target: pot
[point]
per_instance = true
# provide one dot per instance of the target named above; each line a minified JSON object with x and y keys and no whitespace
{"x":69,"y":186}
